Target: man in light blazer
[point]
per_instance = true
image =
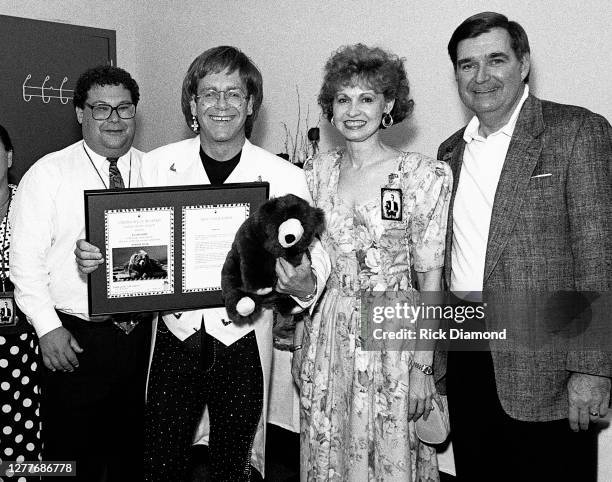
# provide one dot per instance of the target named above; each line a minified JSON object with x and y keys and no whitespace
{"x":530,"y":212}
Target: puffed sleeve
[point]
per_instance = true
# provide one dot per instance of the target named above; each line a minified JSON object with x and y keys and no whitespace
{"x":431,"y":185}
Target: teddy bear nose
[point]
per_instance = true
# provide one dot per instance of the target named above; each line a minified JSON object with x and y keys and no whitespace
{"x":290,"y":232}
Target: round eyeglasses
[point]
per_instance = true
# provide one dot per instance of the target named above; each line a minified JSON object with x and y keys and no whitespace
{"x":104,"y":111}
{"x":233,"y":97}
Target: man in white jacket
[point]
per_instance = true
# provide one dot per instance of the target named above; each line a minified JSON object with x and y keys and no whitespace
{"x":201,"y":359}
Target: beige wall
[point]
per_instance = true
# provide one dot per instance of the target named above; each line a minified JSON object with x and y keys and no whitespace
{"x":156,"y":40}
{"x":290,"y":40}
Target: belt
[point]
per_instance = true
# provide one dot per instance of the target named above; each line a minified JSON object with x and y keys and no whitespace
{"x":126,"y":322}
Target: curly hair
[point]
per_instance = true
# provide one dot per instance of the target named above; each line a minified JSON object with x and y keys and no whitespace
{"x":374,"y":67}
{"x":218,"y":59}
{"x":103,"y":75}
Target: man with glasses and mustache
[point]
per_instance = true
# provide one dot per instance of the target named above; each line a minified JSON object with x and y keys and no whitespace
{"x":202,"y":359}
{"x":94,"y":367}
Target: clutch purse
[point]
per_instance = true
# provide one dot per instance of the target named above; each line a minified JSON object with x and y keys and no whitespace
{"x":436,"y":428}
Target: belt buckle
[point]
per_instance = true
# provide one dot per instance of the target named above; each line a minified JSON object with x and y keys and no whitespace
{"x":126,"y":326}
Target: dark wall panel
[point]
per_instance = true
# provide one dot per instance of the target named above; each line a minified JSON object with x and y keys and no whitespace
{"x":40,"y":63}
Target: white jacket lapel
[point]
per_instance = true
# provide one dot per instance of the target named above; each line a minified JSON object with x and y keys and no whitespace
{"x":186,"y":166}
{"x":247,"y":168}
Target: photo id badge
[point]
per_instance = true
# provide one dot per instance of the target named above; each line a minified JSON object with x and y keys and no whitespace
{"x":7,"y":310}
{"x":391,"y":204}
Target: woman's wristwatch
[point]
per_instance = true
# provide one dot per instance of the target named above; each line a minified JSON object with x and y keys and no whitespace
{"x":426,"y":369}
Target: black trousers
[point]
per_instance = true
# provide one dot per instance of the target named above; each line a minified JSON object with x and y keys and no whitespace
{"x":184,"y":378}
{"x":94,"y":415}
{"x":491,"y":446}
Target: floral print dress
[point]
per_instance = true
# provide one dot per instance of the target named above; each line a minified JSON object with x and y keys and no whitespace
{"x":354,"y":403}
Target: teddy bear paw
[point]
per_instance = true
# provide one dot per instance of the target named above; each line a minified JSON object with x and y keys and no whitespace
{"x":245,"y":306}
{"x":263,"y":291}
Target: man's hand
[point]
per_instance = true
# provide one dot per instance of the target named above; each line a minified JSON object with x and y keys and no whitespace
{"x":59,"y":350}
{"x":295,"y":281}
{"x":88,"y":256}
{"x":589,"y":397}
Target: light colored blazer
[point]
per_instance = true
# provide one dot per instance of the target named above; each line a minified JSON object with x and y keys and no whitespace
{"x":548,"y":233}
{"x":179,"y":164}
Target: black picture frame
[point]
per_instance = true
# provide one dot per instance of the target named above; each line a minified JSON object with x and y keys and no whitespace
{"x":99,"y":202}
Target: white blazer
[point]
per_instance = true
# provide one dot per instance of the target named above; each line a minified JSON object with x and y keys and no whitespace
{"x":180,"y":164}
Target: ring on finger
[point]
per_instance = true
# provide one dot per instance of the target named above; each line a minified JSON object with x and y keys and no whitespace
{"x":593,"y":413}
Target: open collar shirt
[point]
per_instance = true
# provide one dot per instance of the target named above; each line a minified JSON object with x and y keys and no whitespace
{"x":483,"y":161}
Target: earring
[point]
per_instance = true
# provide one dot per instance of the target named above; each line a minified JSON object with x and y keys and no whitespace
{"x":331,"y":121}
{"x":195,"y":127}
{"x":387,"y":120}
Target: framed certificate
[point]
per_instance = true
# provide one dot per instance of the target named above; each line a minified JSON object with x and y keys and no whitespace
{"x":164,"y":247}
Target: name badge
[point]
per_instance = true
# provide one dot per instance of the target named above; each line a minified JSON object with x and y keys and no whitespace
{"x":8,"y":316}
{"x":391,"y":204}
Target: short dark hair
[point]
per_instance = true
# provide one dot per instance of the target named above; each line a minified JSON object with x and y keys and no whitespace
{"x":380,"y":70}
{"x":484,"y":22}
{"x":218,"y":59}
{"x":6,"y":139}
{"x":103,"y":75}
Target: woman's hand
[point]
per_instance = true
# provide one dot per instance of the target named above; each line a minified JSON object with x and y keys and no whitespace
{"x":421,"y":394}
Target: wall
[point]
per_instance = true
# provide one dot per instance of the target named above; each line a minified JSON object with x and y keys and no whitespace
{"x":290,"y":40}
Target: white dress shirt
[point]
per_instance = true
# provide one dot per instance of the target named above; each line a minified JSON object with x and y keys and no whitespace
{"x":47,"y":218}
{"x":483,"y":160}
{"x":178,"y":164}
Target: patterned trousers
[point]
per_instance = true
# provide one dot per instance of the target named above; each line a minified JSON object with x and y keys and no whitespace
{"x":186,"y":376}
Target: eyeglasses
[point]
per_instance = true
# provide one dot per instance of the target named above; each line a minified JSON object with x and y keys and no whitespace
{"x":233,"y":97}
{"x":104,"y":111}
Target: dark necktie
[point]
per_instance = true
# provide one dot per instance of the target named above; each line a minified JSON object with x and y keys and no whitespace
{"x":124,"y":322}
{"x":115,"y":181}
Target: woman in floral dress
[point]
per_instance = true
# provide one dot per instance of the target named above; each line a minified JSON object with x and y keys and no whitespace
{"x":358,"y":407}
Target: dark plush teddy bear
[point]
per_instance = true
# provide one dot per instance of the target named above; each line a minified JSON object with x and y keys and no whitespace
{"x":282,"y":227}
